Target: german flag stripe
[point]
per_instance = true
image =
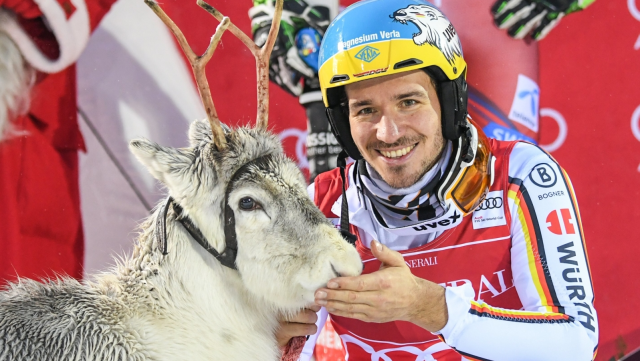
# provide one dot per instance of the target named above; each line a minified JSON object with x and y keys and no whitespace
{"x":576,"y":211}
{"x":514,"y":185}
{"x":471,"y":357}
{"x":484,"y":310}
{"x":595,"y":352}
{"x":527,"y":228}
{"x":535,"y":249}
{"x":541,"y":263}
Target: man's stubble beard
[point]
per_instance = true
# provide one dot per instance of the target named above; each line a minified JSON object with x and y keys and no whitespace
{"x":425,"y":165}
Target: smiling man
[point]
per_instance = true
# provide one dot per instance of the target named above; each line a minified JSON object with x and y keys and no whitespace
{"x":395,"y":121}
{"x":465,"y":254}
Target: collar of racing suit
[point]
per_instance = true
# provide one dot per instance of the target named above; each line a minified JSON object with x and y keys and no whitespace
{"x":359,"y":211}
{"x":395,"y":207}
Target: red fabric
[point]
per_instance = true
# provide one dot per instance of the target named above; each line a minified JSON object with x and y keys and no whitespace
{"x":328,"y":188}
{"x":23,"y":8}
{"x":436,"y":261}
{"x":329,"y":344}
{"x":97,"y":10}
{"x":41,"y":235}
{"x":293,"y":349}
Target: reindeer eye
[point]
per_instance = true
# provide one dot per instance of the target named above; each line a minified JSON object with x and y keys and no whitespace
{"x":248,"y":204}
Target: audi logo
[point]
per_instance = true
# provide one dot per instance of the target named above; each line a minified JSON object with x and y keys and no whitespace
{"x":490,"y":203}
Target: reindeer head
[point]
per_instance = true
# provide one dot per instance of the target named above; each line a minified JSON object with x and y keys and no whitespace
{"x":239,"y":182}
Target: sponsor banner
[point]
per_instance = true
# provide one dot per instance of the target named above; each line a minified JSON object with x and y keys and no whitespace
{"x":422,"y":262}
{"x":524,"y":109}
{"x":484,"y":289}
{"x":365,"y":38}
{"x":490,"y":213}
{"x":499,"y":132}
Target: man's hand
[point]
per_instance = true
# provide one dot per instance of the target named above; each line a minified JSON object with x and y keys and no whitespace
{"x":537,"y":17}
{"x":301,"y":324}
{"x":391,"y":294}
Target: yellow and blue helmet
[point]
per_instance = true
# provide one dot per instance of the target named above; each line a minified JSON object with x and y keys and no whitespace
{"x":374,"y":38}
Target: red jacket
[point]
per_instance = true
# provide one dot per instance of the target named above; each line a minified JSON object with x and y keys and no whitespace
{"x":41,"y":234}
{"x":509,"y":271}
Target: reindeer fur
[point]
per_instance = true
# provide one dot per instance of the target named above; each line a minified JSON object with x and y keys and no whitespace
{"x":186,"y":305}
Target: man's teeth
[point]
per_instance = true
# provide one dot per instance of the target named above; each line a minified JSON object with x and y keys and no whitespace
{"x":397,"y":153}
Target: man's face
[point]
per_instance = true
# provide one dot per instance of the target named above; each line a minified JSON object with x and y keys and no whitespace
{"x":395,"y":123}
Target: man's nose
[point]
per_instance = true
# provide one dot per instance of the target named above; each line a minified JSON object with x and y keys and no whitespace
{"x":388,"y":130}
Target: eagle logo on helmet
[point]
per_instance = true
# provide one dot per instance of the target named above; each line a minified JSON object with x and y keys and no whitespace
{"x":435,"y":29}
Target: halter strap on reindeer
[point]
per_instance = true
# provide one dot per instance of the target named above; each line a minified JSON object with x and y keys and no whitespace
{"x":228,"y":256}
{"x":198,"y":64}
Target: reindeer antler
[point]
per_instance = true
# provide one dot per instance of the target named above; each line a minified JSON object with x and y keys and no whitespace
{"x":198,"y":63}
{"x":261,"y":55}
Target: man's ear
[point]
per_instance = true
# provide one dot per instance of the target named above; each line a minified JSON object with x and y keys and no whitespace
{"x":168,"y":165}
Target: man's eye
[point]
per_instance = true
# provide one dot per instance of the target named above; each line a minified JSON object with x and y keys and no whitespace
{"x":249,"y":204}
{"x":409,"y":102}
{"x":365,"y":111}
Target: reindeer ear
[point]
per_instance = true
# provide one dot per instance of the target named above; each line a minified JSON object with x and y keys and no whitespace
{"x":168,"y":165}
{"x":200,"y":131}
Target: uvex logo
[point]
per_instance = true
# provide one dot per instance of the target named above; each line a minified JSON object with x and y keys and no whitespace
{"x":433,"y":225}
{"x":449,"y":32}
{"x":560,"y":222}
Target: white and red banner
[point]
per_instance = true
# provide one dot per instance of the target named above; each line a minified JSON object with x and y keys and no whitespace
{"x":590,"y":113}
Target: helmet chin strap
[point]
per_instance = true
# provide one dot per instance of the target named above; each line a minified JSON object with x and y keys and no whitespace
{"x":344,"y":212}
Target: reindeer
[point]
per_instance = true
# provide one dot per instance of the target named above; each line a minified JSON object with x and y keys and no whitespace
{"x":236,"y":244}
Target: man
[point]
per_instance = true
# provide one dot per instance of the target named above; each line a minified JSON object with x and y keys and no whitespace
{"x":471,"y":246}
